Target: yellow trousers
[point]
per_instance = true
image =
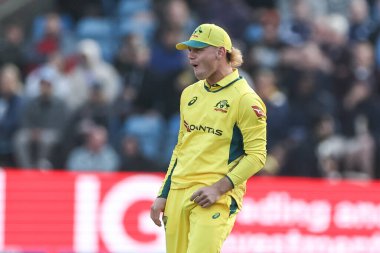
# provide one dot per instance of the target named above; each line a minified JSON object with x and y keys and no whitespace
{"x":190,"y":228}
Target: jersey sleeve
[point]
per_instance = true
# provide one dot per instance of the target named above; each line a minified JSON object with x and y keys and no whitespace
{"x":164,"y":190}
{"x":251,"y":120}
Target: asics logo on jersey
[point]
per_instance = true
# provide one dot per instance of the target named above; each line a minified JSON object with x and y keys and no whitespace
{"x":222,"y":106}
{"x":216,"y":216}
{"x":192,"y":101}
{"x":202,"y":128}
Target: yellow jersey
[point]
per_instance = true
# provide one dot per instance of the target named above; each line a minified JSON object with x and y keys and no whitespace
{"x":222,"y":133}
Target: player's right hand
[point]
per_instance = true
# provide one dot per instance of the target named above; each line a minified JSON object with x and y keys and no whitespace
{"x":156,"y":209}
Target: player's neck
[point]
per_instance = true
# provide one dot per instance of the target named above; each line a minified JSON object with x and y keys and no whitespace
{"x":218,"y":75}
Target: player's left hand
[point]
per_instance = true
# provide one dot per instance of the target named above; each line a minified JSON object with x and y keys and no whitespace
{"x":156,"y":209}
{"x":205,"y":196}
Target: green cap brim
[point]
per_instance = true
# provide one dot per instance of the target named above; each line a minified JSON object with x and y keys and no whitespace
{"x":191,"y":43}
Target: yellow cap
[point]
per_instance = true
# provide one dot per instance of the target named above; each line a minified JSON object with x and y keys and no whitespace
{"x":207,"y":35}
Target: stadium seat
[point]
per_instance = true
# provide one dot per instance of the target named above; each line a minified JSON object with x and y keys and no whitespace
{"x":102,"y":31}
{"x":148,"y":129}
{"x":38,"y":25}
{"x":129,"y":7}
{"x":141,"y":25}
{"x":96,"y":28}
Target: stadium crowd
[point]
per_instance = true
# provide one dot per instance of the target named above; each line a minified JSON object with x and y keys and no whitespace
{"x":95,"y":85}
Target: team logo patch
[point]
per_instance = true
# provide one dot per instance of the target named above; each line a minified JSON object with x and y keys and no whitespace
{"x":192,"y":101}
{"x":216,"y":216}
{"x":197,"y":32}
{"x":222,"y":106}
{"x":258,"y":111}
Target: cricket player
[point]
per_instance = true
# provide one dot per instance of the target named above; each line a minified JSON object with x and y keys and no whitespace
{"x":221,"y":144}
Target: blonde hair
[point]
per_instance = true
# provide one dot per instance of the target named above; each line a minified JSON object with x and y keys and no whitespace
{"x":235,"y":57}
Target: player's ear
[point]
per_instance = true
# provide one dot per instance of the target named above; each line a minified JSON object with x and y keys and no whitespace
{"x":220,"y":52}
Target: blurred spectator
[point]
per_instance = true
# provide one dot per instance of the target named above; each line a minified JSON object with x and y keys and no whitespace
{"x":298,"y":29}
{"x":166,"y":64}
{"x":235,"y":23}
{"x":360,"y":159}
{"x":42,"y":122}
{"x":132,"y":159}
{"x":132,"y":59}
{"x":307,"y":58}
{"x":307,"y":82}
{"x":165,"y":59}
{"x":175,"y":14}
{"x":331,"y":33}
{"x":359,"y":106}
{"x":277,"y":107}
{"x":266,"y":51}
{"x":91,"y":70}
{"x":54,"y":38}
{"x":301,"y":158}
{"x":359,"y":92}
{"x":95,"y":109}
{"x":361,"y":25}
{"x":12,"y":47}
{"x":363,"y":64}
{"x":331,"y":147}
{"x":132,"y":63}
{"x":94,"y":112}
{"x":307,"y":104}
{"x":321,"y":154}
{"x":278,"y":119}
{"x":10,"y":108}
{"x":95,"y":154}
{"x":53,"y":67}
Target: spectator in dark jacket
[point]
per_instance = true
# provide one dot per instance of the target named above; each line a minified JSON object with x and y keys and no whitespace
{"x":10,"y":105}
{"x":42,"y":122}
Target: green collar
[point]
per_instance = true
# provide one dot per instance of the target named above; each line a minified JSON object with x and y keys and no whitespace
{"x":222,"y":87}
{"x":227,"y":79}
{"x":224,"y":83}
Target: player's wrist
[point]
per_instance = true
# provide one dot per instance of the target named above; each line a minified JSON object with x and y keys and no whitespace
{"x":223,"y":186}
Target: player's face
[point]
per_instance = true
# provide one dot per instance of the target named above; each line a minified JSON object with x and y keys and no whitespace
{"x":204,"y":61}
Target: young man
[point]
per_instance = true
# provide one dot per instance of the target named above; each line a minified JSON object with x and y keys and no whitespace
{"x":221,"y":143}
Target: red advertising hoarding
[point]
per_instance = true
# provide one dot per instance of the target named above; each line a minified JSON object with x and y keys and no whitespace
{"x":99,"y":212}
